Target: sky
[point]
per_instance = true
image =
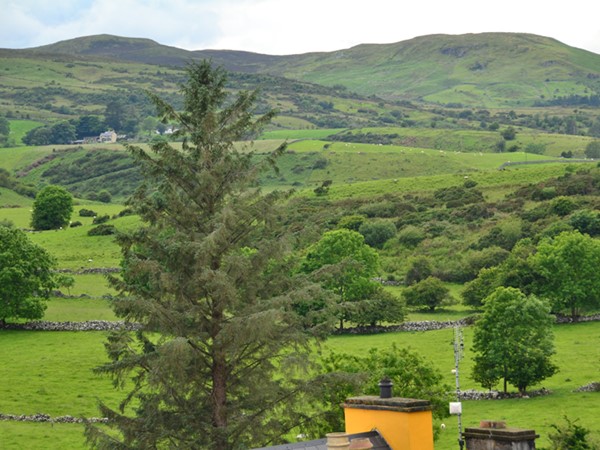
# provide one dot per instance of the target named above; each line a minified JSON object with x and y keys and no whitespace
{"x":285,"y":27}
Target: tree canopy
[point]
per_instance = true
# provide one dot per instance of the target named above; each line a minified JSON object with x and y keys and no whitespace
{"x":210,"y":278}
{"x":569,"y":265}
{"x":26,"y":278}
{"x":513,"y":340}
{"x":52,"y":208}
{"x":346,"y":266}
{"x":429,"y":293}
{"x":346,"y":375}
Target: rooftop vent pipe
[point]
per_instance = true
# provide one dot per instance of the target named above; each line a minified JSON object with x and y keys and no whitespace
{"x":385,"y":388}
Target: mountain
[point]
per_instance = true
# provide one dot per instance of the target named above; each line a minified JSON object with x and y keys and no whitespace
{"x":486,"y":70}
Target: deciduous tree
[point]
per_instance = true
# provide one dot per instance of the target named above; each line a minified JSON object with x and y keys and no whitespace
{"x":26,"y":278}
{"x":429,"y":293}
{"x":346,"y":266}
{"x":349,"y":375}
{"x":209,"y":279}
{"x":513,"y":340}
{"x":569,"y":265}
{"x":52,"y":208}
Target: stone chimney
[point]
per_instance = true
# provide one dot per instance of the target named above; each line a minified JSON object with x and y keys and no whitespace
{"x":495,"y":435}
{"x":405,"y":423}
{"x":337,"y":441}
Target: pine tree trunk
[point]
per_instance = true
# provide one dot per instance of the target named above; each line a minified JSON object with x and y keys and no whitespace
{"x":219,"y":382}
{"x":219,"y":401}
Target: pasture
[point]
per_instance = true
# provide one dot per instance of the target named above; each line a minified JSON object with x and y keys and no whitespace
{"x":52,"y":372}
{"x":60,"y":379}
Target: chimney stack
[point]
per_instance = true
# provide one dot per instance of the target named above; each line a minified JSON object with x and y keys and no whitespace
{"x":337,"y":441}
{"x":495,"y":435}
{"x":385,"y":388}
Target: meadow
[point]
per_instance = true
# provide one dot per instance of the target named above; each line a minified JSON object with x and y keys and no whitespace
{"x":52,"y":372}
{"x":60,"y":379}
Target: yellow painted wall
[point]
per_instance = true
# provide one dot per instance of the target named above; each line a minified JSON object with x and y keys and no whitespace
{"x":401,"y":430}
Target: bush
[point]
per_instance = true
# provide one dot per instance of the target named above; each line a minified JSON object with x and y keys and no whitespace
{"x":102,"y":230}
{"x":87,"y":213}
{"x":411,"y":236}
{"x":563,"y":206}
{"x":429,"y":293}
{"x":104,"y":196}
{"x":77,"y":223}
{"x":353,"y":222}
{"x":570,"y":436}
{"x":101,"y":219}
{"x":377,"y":233}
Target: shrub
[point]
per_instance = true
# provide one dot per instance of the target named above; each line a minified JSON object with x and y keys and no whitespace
{"x":410,"y":236}
{"x":377,"y":233}
{"x":352,"y":222}
{"x":87,"y":213}
{"x":102,"y":230}
{"x":570,"y":436}
{"x":563,"y":206}
{"x":104,"y":196}
{"x":77,"y":223}
{"x":101,"y":219}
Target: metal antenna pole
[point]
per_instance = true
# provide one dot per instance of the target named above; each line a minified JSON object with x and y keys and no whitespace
{"x":459,"y":347}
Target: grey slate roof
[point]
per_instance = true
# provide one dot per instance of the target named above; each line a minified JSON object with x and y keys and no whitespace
{"x":321,"y":444}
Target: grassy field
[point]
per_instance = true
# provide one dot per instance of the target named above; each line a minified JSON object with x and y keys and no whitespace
{"x":58,"y":366}
{"x":19,"y":128}
{"x":56,"y":386}
{"x":578,"y":357}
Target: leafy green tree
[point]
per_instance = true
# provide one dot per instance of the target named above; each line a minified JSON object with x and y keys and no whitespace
{"x":429,"y":293}
{"x":210,"y":279}
{"x":349,"y":375}
{"x":89,"y":126}
{"x":38,"y":136}
{"x":592,"y":150}
{"x":26,"y":278}
{"x":52,"y":208}
{"x":4,"y":131}
{"x":345,"y":265}
{"x":4,"y":126}
{"x":62,"y":133}
{"x":352,"y":222}
{"x":569,"y":265}
{"x":509,"y":133}
{"x":381,"y":306}
{"x":513,"y":340}
{"x":419,"y":269}
{"x":104,"y":196}
{"x":563,"y":206}
{"x":115,"y":114}
{"x":586,"y":222}
{"x":410,"y":236}
{"x":377,"y":232}
{"x":570,"y":436}
{"x":515,"y":271}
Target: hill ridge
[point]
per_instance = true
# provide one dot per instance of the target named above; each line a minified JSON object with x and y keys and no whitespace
{"x":484,"y":69}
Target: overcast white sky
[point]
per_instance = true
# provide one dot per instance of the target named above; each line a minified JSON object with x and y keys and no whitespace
{"x":282,"y":27}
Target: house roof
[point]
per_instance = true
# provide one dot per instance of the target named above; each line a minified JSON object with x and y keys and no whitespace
{"x":321,"y":444}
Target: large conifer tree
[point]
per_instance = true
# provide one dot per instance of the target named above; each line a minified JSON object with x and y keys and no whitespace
{"x":208,"y":279}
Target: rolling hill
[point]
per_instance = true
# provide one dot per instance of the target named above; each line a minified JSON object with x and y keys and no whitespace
{"x":486,"y":70}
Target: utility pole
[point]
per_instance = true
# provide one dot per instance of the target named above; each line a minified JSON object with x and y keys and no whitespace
{"x":456,"y":408}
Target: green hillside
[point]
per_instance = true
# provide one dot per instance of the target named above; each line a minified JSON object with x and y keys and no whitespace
{"x":489,"y":70}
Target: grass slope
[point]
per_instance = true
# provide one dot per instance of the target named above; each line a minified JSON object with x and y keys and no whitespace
{"x":487,"y":69}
